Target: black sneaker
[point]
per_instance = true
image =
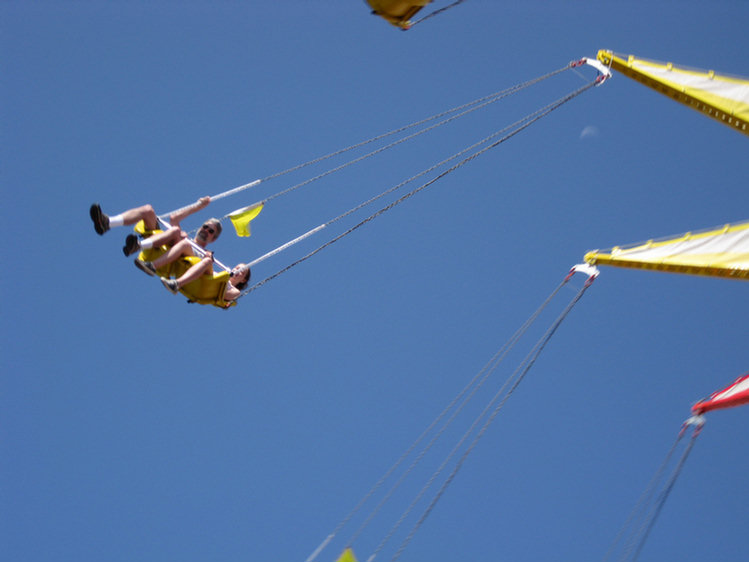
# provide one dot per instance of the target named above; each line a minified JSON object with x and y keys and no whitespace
{"x":131,"y":245}
{"x":145,"y":267}
{"x":101,"y":221}
{"x":171,"y":285}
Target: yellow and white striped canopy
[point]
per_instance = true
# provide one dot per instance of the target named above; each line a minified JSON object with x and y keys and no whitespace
{"x":720,"y":252}
{"x":722,"y":97}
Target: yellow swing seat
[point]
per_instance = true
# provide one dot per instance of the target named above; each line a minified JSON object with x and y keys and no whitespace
{"x":397,"y":12}
{"x":208,"y":289}
{"x":152,"y":253}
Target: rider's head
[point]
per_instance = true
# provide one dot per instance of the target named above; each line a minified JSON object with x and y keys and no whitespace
{"x":240,"y":276}
{"x":209,"y":231}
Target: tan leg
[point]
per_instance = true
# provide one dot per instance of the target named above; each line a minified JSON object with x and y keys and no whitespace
{"x":180,"y":249}
{"x":198,"y":270}
{"x":144,"y":213}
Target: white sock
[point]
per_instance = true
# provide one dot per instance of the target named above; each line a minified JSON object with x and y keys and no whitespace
{"x":116,"y":220}
{"x":146,"y":244}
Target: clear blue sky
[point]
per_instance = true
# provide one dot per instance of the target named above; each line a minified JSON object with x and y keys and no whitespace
{"x":137,"y":427}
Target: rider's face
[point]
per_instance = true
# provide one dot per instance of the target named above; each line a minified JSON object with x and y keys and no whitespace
{"x":206,"y":233}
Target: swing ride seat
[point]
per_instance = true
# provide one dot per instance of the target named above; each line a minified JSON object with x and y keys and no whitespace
{"x":174,"y":269}
{"x":397,"y":12}
{"x":152,"y":253}
{"x":207,"y":289}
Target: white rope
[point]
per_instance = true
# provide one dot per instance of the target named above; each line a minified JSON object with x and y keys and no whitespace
{"x":478,"y":104}
{"x":287,"y":245}
{"x":320,"y":548}
{"x":461,"y":399}
{"x":464,"y":109}
{"x":235,"y":190}
{"x":519,"y":125}
{"x":641,"y":520}
{"x":525,"y":365}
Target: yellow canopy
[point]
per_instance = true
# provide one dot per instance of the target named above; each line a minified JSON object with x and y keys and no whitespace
{"x":397,"y":12}
{"x":347,"y":556}
{"x":724,"y":98}
{"x":720,"y":252}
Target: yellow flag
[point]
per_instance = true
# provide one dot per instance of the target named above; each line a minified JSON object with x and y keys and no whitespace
{"x":241,"y":218}
{"x":347,"y":556}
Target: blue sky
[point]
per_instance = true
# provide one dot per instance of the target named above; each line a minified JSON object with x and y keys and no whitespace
{"x":137,"y":427}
